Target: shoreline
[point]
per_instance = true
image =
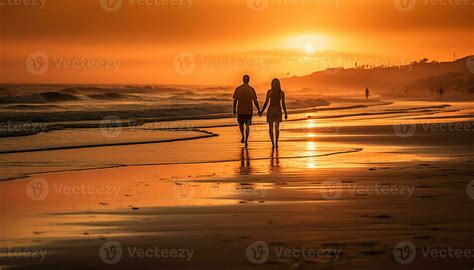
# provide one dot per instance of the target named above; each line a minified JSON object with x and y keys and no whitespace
{"x":361,"y":189}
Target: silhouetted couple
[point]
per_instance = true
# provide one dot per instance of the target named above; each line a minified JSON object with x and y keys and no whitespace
{"x":244,"y":98}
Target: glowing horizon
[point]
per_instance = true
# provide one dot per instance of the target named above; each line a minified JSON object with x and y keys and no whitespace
{"x":214,"y":42}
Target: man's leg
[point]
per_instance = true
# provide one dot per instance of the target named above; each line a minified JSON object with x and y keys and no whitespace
{"x":241,"y":126}
{"x":247,"y":131}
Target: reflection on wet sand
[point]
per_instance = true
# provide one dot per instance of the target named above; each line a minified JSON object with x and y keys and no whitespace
{"x":275,"y":161}
{"x":311,"y":151}
{"x":245,"y":168}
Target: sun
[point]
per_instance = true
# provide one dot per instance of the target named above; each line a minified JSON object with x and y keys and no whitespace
{"x":309,"y":43}
{"x":309,"y":48}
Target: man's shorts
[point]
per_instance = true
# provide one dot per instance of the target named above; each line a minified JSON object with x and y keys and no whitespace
{"x":244,"y":119}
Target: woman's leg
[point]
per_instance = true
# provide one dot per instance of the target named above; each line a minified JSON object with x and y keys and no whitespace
{"x":270,"y":128}
{"x":277,"y":132}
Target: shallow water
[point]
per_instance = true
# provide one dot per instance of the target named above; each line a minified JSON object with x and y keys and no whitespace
{"x":305,"y":132}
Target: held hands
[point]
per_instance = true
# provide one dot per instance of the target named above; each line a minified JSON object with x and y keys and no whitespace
{"x":260,"y":113}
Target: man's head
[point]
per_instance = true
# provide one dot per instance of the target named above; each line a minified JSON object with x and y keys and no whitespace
{"x":246,"y":79}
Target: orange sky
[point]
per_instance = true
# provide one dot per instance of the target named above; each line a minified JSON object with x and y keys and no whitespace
{"x":215,"y":41}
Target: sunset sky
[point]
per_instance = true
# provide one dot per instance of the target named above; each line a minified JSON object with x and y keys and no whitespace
{"x":216,"y":41}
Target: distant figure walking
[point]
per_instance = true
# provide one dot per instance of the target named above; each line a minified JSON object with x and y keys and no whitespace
{"x":441,"y":92}
{"x":276,"y":98}
{"x":244,"y":98}
{"x":367,"y":93}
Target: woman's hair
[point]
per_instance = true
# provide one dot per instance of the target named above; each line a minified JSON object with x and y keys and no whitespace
{"x":276,"y":88}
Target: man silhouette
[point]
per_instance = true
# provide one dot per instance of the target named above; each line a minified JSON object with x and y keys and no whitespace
{"x":244,"y":98}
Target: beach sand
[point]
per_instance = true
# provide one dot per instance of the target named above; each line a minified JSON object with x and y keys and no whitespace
{"x":349,"y":188}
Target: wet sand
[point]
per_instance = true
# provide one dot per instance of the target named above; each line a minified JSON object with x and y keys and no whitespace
{"x":353,"y":187}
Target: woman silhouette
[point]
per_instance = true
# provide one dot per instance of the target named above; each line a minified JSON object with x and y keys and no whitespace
{"x":276,"y":98}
